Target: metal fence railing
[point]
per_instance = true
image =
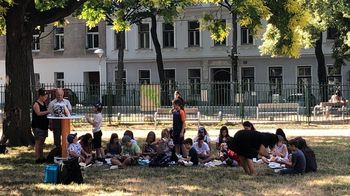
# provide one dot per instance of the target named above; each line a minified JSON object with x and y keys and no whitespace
{"x":216,"y":101}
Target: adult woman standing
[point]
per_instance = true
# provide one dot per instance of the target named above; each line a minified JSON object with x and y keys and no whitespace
{"x":40,"y":124}
{"x":248,"y":144}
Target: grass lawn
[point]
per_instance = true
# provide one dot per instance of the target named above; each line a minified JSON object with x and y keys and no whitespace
{"x":19,"y":176}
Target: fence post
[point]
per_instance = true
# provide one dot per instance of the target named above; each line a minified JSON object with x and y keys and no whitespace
{"x":241,"y":101}
{"x":307,"y":102}
{"x":109,"y":102}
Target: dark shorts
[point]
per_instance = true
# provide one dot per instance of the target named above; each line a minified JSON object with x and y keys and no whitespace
{"x":97,"y":140}
{"x":40,"y":133}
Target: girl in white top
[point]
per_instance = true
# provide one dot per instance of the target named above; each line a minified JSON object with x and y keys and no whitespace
{"x":280,"y":150}
{"x":96,"y":123}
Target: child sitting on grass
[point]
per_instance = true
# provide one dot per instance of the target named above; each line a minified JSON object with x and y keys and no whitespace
{"x":203,"y":150}
{"x":149,"y":148}
{"x":131,"y":135}
{"x":223,"y":137}
{"x":192,"y":158}
{"x":86,"y":145}
{"x":129,"y":156}
{"x":310,"y":157}
{"x":76,"y":151}
{"x":203,"y":132}
{"x":113,"y":147}
{"x":228,"y":156}
{"x":297,"y":163}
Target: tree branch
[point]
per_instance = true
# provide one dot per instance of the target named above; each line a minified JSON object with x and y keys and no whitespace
{"x":226,"y":6}
{"x":55,"y":14}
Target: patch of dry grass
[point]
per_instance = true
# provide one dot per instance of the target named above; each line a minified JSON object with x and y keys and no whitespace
{"x":19,"y":176}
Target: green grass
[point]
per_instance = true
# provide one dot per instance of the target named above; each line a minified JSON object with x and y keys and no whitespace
{"x":19,"y":176}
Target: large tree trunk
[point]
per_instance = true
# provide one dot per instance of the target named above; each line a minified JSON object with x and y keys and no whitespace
{"x":321,"y":70}
{"x":159,"y":57}
{"x":119,"y":80}
{"x":234,"y":52}
{"x":16,"y":124}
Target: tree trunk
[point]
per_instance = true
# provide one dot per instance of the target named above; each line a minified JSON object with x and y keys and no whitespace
{"x":159,"y":57}
{"x":321,"y":70}
{"x":234,"y":52}
{"x":119,"y":80}
{"x":16,"y":124}
{"x":164,"y":87}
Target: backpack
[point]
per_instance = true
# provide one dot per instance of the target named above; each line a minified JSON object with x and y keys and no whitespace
{"x":70,"y":172}
{"x":56,"y":152}
{"x":161,"y":160}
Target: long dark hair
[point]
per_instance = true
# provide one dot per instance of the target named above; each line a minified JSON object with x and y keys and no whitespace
{"x":249,"y":124}
{"x":113,"y":136}
{"x":222,"y":129}
{"x":179,"y":103}
{"x":269,"y":139}
{"x":129,"y":133}
{"x":86,"y":139}
{"x":150,"y":134}
{"x":280,"y":132}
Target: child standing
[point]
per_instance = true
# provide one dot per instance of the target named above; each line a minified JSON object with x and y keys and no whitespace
{"x":96,"y":123}
{"x":297,"y":163}
{"x":192,"y":158}
{"x":179,"y":125}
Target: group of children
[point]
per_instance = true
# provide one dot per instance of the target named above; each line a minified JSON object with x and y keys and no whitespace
{"x":172,"y":148}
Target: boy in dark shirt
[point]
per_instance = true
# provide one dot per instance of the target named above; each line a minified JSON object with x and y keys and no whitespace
{"x":192,"y":158}
{"x":297,"y":163}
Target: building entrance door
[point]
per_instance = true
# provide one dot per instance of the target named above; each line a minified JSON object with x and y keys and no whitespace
{"x":221,"y":86}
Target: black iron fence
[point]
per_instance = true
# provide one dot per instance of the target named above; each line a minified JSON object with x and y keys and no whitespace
{"x":216,"y":101}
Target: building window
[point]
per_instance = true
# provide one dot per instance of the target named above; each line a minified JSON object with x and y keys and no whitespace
{"x":221,"y":43}
{"x":275,"y":78}
{"x":37,"y":79}
{"x":331,"y":33}
{"x":303,"y":78}
{"x":59,"y":38}
{"x":92,"y":37}
{"x":248,"y":79}
{"x":144,"y":76}
{"x":169,"y":75}
{"x":193,"y":33}
{"x":194,"y":79}
{"x":59,"y":79}
{"x":246,"y":36}
{"x":168,"y":35}
{"x":334,"y":75}
{"x":144,"y":36}
{"x":36,"y":41}
{"x":123,"y":81}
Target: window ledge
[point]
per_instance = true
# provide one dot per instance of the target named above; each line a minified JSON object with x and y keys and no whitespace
{"x":59,"y":50}
{"x":193,"y":48}
{"x":36,"y":51}
{"x":144,"y":49}
{"x":169,"y":48}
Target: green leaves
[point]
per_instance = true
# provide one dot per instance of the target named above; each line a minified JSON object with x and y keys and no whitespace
{"x":93,"y":12}
{"x":218,"y":29}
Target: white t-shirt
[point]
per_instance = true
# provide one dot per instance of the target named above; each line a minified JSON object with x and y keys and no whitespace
{"x":75,"y":148}
{"x":63,"y":102}
{"x":201,"y":150}
{"x":98,"y":122}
